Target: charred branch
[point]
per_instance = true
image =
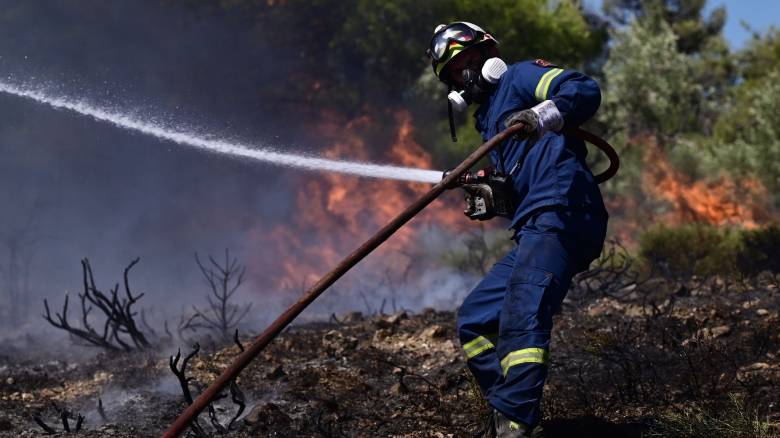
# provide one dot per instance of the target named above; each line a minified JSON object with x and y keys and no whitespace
{"x":238,"y":341}
{"x":46,"y":428}
{"x":65,"y":418}
{"x":65,"y":422}
{"x":238,"y":398}
{"x":180,"y":372}
{"x":236,"y":395}
{"x":119,"y":331}
{"x":215,"y":420}
{"x":613,"y":275}
{"x":223,"y":280}
{"x":184,"y":382}
{"x":101,"y":411}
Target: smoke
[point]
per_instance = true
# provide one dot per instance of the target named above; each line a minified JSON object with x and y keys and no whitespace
{"x":71,"y":188}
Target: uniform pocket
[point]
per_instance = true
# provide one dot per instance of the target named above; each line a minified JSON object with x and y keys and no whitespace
{"x":532,"y":297}
{"x":531,"y":275}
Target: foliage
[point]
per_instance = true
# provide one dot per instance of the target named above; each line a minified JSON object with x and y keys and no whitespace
{"x":685,"y":17}
{"x":748,"y":134}
{"x":648,"y":92}
{"x":667,"y":81}
{"x":759,"y":250}
{"x":761,"y":56}
{"x":535,"y":29}
{"x":695,"y":249}
{"x":651,"y":89}
{"x":704,"y":250}
{"x":736,"y":420}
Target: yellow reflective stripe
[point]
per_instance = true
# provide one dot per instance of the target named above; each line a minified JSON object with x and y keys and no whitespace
{"x":544,"y":83}
{"x":526,"y":355}
{"x":477,"y":346}
{"x":454,"y":49}
{"x":477,"y":351}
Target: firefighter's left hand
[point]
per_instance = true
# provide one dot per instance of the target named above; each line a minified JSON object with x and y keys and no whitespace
{"x":530,"y":122}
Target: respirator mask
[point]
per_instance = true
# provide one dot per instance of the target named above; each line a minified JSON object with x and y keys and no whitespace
{"x":477,"y":86}
{"x":447,"y":43}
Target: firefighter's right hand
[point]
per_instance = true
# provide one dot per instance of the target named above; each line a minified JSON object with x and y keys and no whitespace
{"x":528,"y":118}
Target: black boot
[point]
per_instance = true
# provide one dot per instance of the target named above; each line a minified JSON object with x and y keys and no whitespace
{"x":506,"y":428}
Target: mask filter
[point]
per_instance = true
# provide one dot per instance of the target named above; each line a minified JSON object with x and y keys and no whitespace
{"x":493,"y":69}
{"x":457,"y":100}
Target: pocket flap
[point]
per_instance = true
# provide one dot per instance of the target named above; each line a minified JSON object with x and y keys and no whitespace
{"x":529,"y":275}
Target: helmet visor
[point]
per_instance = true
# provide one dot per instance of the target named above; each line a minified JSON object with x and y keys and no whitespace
{"x":457,"y":32}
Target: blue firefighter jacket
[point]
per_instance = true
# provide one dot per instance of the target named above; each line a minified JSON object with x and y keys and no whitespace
{"x":553,"y":171}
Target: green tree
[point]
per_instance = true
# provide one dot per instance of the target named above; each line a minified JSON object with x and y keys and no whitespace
{"x":650,"y":83}
{"x":747,"y":135}
{"x":559,"y":31}
{"x":698,"y":40}
{"x":685,"y":17}
{"x":658,"y":95}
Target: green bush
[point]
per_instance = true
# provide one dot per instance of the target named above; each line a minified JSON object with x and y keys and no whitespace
{"x":759,"y":250}
{"x":699,"y":249}
{"x":689,"y":250}
{"x":735,"y":420}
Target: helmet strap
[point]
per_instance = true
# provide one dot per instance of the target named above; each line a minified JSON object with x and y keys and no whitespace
{"x":451,"y":115}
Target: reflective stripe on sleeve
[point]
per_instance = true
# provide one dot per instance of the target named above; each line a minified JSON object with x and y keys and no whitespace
{"x":477,"y":346}
{"x":544,"y":83}
{"x":526,"y":355}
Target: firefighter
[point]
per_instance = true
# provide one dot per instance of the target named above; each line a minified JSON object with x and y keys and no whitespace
{"x":558,"y":219}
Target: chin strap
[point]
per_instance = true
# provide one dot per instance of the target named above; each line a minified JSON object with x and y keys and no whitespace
{"x":452,"y":117}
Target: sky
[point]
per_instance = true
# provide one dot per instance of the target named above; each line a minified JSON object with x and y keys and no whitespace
{"x":759,"y":14}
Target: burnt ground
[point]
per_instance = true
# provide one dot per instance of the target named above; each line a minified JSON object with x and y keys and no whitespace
{"x":629,"y":358}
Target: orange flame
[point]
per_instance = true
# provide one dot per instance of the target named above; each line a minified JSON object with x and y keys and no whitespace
{"x":335,"y":213}
{"x":722,"y":201}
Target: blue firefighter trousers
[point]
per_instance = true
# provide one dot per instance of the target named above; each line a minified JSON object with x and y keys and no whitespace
{"x":504,"y":324}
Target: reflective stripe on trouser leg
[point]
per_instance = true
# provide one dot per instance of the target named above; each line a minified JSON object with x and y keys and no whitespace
{"x":477,"y":346}
{"x":478,"y":323}
{"x":535,"y":290}
{"x":526,"y":355}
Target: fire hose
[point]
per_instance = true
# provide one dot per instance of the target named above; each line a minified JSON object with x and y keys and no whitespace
{"x":283,"y":320}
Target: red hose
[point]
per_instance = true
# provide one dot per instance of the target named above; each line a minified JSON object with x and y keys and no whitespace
{"x":614,"y":160}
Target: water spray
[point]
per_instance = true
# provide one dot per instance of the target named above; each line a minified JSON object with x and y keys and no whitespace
{"x":222,"y":146}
